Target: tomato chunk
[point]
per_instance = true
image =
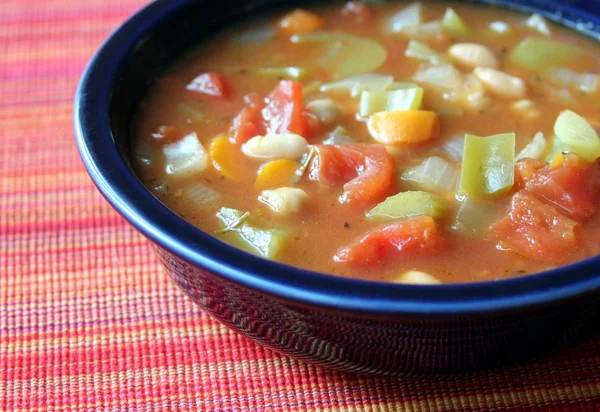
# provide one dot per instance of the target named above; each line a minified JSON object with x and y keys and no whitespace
{"x":536,"y":230}
{"x":572,"y":187}
{"x":415,"y":236}
{"x":525,"y":170}
{"x":248,"y":123}
{"x":213,"y":84}
{"x":366,"y":170}
{"x":285,"y":111}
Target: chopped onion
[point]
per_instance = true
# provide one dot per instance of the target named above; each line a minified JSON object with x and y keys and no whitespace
{"x":421,"y":52}
{"x":429,"y":30}
{"x":499,"y":27}
{"x":585,"y":82}
{"x":345,"y":55}
{"x":408,"y":16}
{"x":475,"y":214}
{"x":434,"y":173}
{"x":289,"y":72}
{"x":185,"y":157}
{"x":534,"y":149}
{"x":539,"y":24}
{"x":453,"y":24}
{"x":339,"y":136}
{"x":562,"y":96}
{"x":444,"y":77}
{"x":454,"y":147}
{"x":357,"y":84}
{"x":201,"y":195}
{"x":254,"y":34}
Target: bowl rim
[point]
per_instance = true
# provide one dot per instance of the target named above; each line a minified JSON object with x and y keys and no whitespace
{"x":122,"y":189}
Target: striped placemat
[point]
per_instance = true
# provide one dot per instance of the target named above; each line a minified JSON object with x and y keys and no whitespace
{"x":90,"y":321}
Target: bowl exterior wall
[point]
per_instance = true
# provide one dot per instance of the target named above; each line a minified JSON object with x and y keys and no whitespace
{"x":351,"y":339}
{"x":379,"y":344}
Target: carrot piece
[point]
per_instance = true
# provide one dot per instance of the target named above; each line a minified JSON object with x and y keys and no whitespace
{"x":411,"y":126}
{"x":285,"y":111}
{"x":366,"y":170}
{"x":226,"y":157}
{"x":415,"y":236}
{"x":571,"y":185}
{"x":536,"y":230}
{"x":276,"y":173}
{"x":301,"y":21}
{"x":213,"y":84}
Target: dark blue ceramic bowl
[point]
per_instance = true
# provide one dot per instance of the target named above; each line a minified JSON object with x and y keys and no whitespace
{"x":340,"y":323}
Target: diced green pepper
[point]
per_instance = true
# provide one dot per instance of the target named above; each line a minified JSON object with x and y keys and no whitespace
{"x":578,"y":135}
{"x":453,"y":24}
{"x":379,"y":100}
{"x":537,"y":54}
{"x":295,"y":73}
{"x":407,"y":204}
{"x":488,"y":164}
{"x":419,"y":51}
{"x":190,"y":114}
{"x":267,"y":243}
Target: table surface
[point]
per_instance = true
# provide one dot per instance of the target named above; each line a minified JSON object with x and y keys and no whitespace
{"x":90,"y":321}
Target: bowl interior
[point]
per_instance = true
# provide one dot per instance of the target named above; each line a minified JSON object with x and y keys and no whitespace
{"x":151,"y":41}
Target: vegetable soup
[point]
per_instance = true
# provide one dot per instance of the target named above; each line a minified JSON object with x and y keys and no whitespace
{"x":404,"y":142}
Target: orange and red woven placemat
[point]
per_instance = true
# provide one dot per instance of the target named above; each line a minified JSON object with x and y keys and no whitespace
{"x":90,"y":321}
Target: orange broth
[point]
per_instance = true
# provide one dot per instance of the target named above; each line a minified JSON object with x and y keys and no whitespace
{"x":324,"y":225}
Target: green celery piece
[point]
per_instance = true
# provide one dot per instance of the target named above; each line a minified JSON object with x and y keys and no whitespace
{"x":419,"y":51}
{"x":453,"y":24}
{"x":488,"y":164}
{"x":267,"y":243}
{"x":537,"y":54}
{"x":576,"y":133}
{"x":380,"y":100}
{"x":407,"y":204}
{"x":191,"y":114}
{"x":291,"y":72}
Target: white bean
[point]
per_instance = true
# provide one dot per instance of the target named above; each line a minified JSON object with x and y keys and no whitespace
{"x":500,"y":83}
{"x":284,"y":199}
{"x":415,"y":277}
{"x":473,"y":55}
{"x":325,"y":110}
{"x":275,"y":146}
{"x":473,"y":94}
{"x":526,"y":109}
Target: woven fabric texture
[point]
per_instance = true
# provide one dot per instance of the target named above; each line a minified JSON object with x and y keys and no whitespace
{"x":90,"y":321}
